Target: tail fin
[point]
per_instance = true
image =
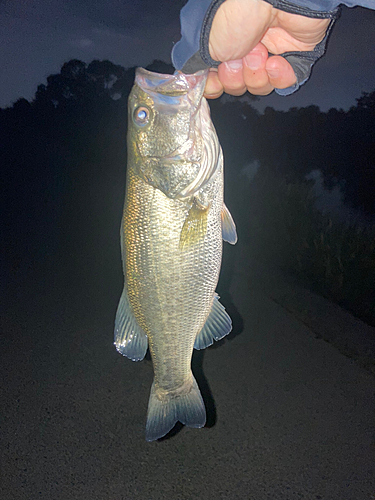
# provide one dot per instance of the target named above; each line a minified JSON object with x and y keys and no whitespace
{"x":163,"y":415}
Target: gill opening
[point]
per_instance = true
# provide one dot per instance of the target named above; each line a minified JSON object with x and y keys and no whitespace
{"x":210,"y":152}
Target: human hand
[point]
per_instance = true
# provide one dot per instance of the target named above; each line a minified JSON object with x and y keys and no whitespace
{"x":243,"y":33}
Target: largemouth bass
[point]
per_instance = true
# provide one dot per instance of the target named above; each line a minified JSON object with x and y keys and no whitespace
{"x":172,"y":229}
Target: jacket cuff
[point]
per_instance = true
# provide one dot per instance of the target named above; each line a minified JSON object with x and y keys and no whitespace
{"x":303,"y":61}
{"x":310,"y":8}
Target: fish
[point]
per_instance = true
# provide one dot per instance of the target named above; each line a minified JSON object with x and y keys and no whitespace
{"x":173,"y":225}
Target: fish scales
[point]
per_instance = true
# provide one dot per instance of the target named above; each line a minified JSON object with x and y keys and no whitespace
{"x":171,"y":232}
{"x":180,"y":281}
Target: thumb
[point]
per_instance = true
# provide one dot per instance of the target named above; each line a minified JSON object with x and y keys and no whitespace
{"x":237,"y":28}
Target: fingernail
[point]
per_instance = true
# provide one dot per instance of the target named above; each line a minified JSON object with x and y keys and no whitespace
{"x":234,"y":65}
{"x":253,"y":60}
{"x":273,"y":73}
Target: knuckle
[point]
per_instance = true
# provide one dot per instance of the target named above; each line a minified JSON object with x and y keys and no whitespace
{"x":265,"y":90}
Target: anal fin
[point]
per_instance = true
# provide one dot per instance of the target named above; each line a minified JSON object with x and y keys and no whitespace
{"x":130,"y":339}
{"x":217,"y":326}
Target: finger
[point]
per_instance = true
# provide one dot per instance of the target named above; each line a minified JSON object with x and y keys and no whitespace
{"x":231,"y":76}
{"x":213,"y":88}
{"x":280,"y":72}
{"x":254,"y":71}
{"x":264,"y":89}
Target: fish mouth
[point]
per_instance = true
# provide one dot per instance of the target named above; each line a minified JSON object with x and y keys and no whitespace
{"x":177,"y":84}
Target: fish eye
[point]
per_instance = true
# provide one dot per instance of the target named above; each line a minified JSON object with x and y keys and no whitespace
{"x":141,"y":115}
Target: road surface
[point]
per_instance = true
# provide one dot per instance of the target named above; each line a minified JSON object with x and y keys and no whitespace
{"x":289,"y":415}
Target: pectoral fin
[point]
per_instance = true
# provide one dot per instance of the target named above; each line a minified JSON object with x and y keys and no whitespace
{"x":130,"y":339}
{"x":228,"y":227}
{"x":218,"y":324}
{"x":195,"y":225}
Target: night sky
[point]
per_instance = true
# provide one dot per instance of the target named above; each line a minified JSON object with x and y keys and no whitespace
{"x":37,"y":37}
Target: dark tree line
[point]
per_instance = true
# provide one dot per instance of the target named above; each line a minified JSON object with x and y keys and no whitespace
{"x":60,"y":154}
{"x":341,"y":144}
{"x":63,"y":155}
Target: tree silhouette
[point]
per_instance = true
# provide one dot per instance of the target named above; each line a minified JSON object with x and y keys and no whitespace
{"x":78,"y":82}
{"x":63,"y":154}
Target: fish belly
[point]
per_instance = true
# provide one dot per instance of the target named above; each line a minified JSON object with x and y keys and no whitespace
{"x":170,"y":290}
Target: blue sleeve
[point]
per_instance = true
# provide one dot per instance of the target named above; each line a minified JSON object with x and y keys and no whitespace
{"x":322,"y":5}
{"x":191,"y":53}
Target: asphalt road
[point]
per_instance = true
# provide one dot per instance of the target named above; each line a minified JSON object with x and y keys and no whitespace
{"x":289,"y":416}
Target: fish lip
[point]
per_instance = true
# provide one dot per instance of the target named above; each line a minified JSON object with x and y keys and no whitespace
{"x":139,"y":70}
{"x":178,"y":83}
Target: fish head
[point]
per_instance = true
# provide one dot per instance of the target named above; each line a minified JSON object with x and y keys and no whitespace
{"x":172,"y":143}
